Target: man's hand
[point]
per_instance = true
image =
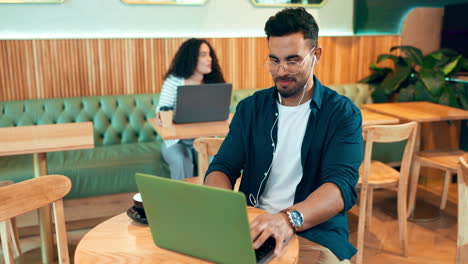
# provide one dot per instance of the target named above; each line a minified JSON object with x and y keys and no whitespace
{"x":275,"y":225}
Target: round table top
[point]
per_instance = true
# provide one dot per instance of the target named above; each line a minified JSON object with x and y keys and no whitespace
{"x":121,"y":240}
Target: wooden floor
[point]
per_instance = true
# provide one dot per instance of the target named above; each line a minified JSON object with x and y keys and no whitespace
{"x":431,"y":242}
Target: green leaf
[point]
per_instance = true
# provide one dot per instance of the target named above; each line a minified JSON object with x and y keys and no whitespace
{"x":436,"y":59}
{"x":437,"y":55}
{"x":433,"y":80}
{"x":463,"y":101}
{"x":444,"y":98}
{"x":465,"y":64}
{"x":375,"y":68}
{"x":429,"y":61}
{"x":421,"y":93}
{"x":377,"y":75}
{"x":395,"y":59}
{"x":449,"y":52}
{"x":378,"y":96}
{"x":406,"y":94}
{"x":412,"y":54}
{"x":371,"y":78}
{"x":449,"y":98}
{"x":392,"y":82}
{"x":451,"y":66}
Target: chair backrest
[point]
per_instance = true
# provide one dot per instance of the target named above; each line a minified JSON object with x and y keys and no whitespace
{"x":206,"y":147}
{"x":462,"y":242}
{"x":387,"y":134}
{"x":32,"y":194}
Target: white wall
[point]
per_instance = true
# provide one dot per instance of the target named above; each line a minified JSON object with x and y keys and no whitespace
{"x":115,"y":19}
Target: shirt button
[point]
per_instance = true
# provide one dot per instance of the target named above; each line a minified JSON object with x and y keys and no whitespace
{"x":276,"y":114}
{"x":273,"y":145}
{"x":265,"y":174}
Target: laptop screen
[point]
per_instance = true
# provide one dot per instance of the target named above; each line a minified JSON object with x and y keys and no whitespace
{"x":197,"y":220}
{"x":202,"y":103}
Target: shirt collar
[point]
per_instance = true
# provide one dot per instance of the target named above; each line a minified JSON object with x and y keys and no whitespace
{"x":316,"y":97}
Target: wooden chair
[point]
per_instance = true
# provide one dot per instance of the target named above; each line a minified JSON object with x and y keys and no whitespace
{"x":206,"y":148}
{"x":29,"y":195}
{"x":443,"y":160}
{"x":375,"y":174}
{"x":12,"y":226}
{"x":462,"y":241}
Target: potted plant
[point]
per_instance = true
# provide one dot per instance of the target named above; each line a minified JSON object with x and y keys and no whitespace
{"x":416,"y":77}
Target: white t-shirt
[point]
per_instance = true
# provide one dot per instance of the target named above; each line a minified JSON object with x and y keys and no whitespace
{"x":286,"y":170}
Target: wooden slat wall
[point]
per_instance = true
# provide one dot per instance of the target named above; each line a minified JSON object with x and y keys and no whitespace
{"x":31,"y":69}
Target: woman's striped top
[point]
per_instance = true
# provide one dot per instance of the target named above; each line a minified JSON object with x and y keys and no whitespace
{"x":168,"y":98}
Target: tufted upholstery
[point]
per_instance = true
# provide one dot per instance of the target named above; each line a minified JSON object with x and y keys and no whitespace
{"x":125,"y":142}
{"x":359,"y":93}
{"x":116,"y":119}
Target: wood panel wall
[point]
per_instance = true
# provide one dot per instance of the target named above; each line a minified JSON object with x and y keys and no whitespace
{"x":31,"y":69}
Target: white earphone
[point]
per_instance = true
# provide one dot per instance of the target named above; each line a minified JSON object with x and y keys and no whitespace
{"x":254,"y":199}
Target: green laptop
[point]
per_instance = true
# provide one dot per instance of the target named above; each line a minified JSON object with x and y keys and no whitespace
{"x":200,"y":221}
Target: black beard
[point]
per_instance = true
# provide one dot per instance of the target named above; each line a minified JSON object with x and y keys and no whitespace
{"x":293,"y":92}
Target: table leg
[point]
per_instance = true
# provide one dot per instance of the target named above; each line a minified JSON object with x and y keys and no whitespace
{"x":45,"y":216}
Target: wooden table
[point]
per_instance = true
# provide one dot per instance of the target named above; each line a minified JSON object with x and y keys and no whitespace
{"x":38,"y":140}
{"x":421,"y":112}
{"x":373,"y":118}
{"x":221,"y":128}
{"x":418,"y":111}
{"x":192,"y":130}
{"x":121,"y":240}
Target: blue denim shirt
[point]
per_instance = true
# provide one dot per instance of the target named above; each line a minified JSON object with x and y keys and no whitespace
{"x":332,"y":151}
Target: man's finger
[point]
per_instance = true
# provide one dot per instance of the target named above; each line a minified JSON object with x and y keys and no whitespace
{"x":255,"y":231}
{"x":279,"y":245}
{"x":261,"y":239}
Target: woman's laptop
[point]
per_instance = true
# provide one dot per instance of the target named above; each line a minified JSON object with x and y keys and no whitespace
{"x":202,"y":103}
{"x":201,"y":221}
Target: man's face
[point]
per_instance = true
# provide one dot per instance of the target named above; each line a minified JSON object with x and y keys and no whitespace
{"x":292,"y":47}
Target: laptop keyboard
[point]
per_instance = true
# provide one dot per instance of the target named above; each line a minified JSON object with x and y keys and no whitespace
{"x":264,"y":250}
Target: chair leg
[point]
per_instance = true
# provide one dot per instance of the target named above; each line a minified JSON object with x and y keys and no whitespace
{"x":61,"y":232}
{"x":5,"y":238}
{"x":361,"y":224}
{"x":370,"y":199}
{"x":443,"y":201}
{"x":15,"y":238}
{"x":402,"y":221}
{"x":413,"y":186}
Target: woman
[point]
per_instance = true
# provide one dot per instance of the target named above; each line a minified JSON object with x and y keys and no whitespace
{"x":194,"y":63}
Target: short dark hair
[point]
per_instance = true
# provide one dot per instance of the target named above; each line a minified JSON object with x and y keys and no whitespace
{"x":185,"y":62}
{"x":292,"y":20}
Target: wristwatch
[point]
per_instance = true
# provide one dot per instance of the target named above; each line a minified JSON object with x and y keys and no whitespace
{"x":295,"y":218}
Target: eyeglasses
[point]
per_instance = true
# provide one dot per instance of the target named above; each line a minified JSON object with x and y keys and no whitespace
{"x":292,"y":67}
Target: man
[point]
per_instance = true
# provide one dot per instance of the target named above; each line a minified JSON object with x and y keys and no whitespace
{"x":298,"y":143}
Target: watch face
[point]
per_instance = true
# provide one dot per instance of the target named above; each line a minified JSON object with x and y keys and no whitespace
{"x":296,"y":217}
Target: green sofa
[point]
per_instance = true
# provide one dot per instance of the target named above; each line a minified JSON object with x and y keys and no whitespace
{"x":125,"y":142}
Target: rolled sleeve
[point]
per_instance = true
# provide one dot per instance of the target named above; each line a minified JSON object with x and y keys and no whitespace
{"x":231,"y":155}
{"x":344,"y":156}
